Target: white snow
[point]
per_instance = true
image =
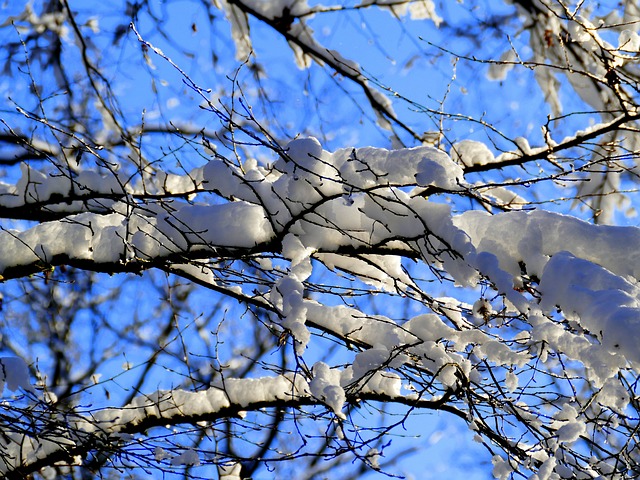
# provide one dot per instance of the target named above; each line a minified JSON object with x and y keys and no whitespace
{"x":573,"y":285}
{"x":567,"y":425}
{"x":470,"y":152}
{"x":629,"y":41}
{"x":326,"y":387}
{"x":229,"y":471}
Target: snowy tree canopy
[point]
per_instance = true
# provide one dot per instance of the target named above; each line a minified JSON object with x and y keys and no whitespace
{"x":209,"y":272}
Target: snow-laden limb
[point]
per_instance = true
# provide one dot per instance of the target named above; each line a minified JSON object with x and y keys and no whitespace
{"x":477,"y":158}
{"x":325,"y":205}
{"x":317,"y":195}
{"x":79,"y":434}
{"x":561,"y":290}
{"x":26,"y":453}
{"x":354,"y":278}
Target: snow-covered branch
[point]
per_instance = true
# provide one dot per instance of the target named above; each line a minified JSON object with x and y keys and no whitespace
{"x":204,"y":273}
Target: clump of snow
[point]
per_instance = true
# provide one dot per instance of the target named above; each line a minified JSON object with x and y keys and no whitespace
{"x":14,"y":374}
{"x":239,"y":29}
{"x":225,"y":179}
{"x":379,"y":382}
{"x":582,"y":31}
{"x":441,"y":174}
{"x":326,"y":387}
{"x":373,"y":359}
{"x":470,"y":153}
{"x":511,"y":381}
{"x":188,"y":457}
{"x":498,"y":70}
{"x":613,"y":395}
{"x":501,"y":468}
{"x":607,"y":304}
{"x":287,"y":293}
{"x":419,"y":10}
{"x":546,"y":470}
{"x":567,"y":425}
{"x":373,"y":458}
{"x":304,"y":151}
{"x":629,"y":41}
{"x":305,"y":159}
{"x":384,"y":272}
{"x":482,"y":310}
{"x":160,"y":454}
{"x":229,"y":471}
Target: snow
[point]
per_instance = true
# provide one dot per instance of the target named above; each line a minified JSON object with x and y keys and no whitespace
{"x":14,"y":374}
{"x":511,"y":381}
{"x":470,"y":152}
{"x":384,"y":272}
{"x":239,"y":29}
{"x":188,"y":457}
{"x":499,"y":70}
{"x":567,"y":425}
{"x":160,"y":454}
{"x":177,"y":405}
{"x":608,"y":305}
{"x":583,"y":269}
{"x":259,"y":202}
{"x":305,"y":152}
{"x":501,"y":469}
{"x":420,"y":10}
{"x":229,"y":471}
{"x":613,"y":395}
{"x":629,"y":41}
{"x":326,"y":387}
{"x":573,"y":285}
